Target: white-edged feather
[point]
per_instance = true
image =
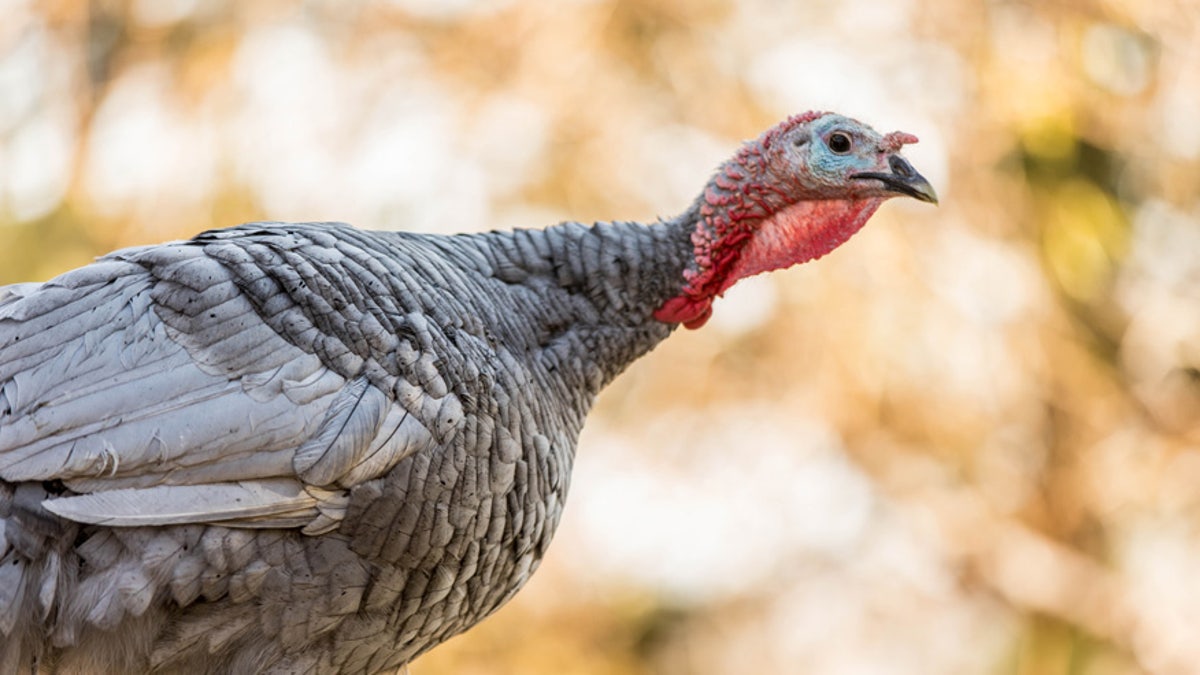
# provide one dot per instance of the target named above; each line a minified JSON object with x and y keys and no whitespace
{"x":245,"y":503}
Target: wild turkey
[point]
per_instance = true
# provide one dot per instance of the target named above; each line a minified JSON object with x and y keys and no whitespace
{"x":308,"y":448}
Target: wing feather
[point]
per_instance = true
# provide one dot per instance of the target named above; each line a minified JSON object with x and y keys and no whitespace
{"x":149,"y":384}
{"x":262,"y":503}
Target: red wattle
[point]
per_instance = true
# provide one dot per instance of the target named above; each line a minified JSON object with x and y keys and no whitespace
{"x":689,"y":311}
{"x":700,"y":320}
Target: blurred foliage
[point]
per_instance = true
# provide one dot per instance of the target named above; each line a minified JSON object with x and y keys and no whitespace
{"x":964,"y":443}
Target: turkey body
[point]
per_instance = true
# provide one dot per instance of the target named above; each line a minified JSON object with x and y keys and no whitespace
{"x":308,"y":448}
{"x":300,"y":447}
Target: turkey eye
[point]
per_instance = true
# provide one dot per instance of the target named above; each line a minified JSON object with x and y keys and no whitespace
{"x":839,"y":143}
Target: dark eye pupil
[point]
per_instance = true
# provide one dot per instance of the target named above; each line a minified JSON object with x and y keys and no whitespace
{"x":839,"y":143}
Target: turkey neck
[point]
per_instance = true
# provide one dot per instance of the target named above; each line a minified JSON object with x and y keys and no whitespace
{"x":594,"y":288}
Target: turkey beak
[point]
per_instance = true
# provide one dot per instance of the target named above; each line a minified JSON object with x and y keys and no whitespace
{"x":903,"y":179}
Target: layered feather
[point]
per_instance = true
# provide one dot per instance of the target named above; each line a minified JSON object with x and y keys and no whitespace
{"x":179,"y":420}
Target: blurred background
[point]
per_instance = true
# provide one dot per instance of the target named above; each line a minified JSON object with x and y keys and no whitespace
{"x":966,"y":442}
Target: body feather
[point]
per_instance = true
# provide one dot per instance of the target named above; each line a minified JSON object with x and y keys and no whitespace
{"x":214,"y":439}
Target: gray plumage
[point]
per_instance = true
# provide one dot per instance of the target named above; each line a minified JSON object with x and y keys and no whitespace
{"x":302,"y":448}
{"x":420,"y":395}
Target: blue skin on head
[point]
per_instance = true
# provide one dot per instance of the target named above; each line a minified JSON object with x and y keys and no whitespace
{"x":835,"y":157}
